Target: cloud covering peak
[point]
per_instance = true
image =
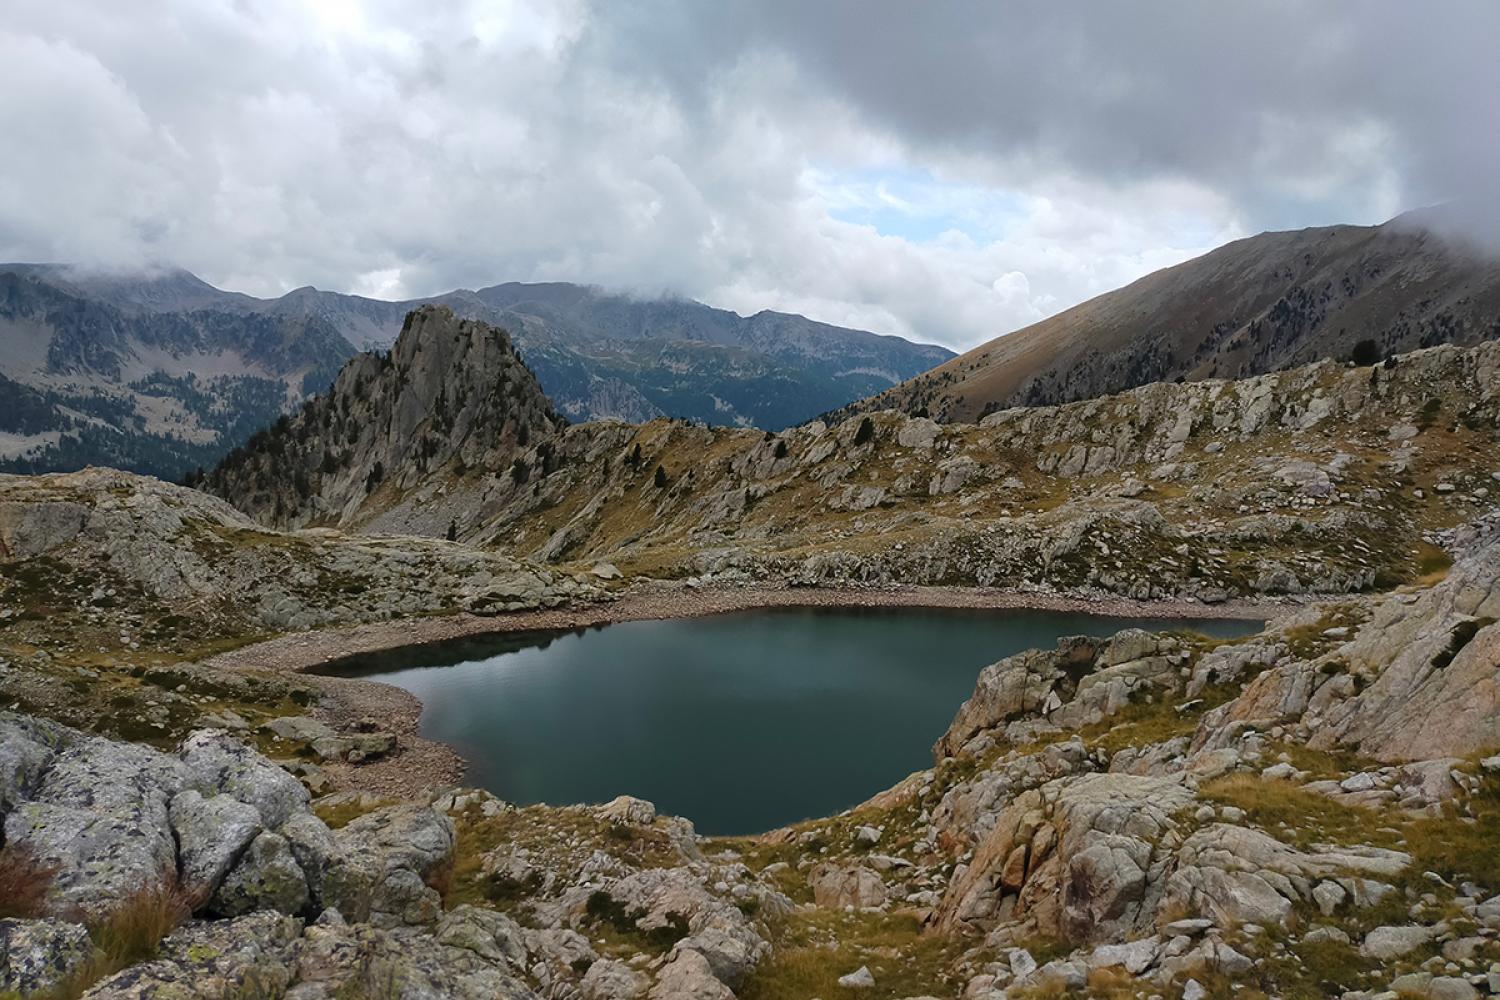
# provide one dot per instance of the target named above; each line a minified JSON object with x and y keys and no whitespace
{"x":946,"y":171}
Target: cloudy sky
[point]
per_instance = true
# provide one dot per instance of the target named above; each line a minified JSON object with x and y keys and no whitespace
{"x":945,"y":171}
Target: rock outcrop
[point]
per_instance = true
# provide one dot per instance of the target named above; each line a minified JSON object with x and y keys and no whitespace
{"x":1320,"y":479}
{"x":452,"y":393}
{"x":181,"y":547}
{"x":284,"y":905}
{"x":1414,"y":681}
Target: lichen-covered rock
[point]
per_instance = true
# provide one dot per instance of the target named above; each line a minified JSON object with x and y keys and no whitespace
{"x":251,"y":956}
{"x":27,"y":746}
{"x":266,"y":877}
{"x":219,"y":763}
{"x":211,"y":834}
{"x":99,"y":817}
{"x":383,"y":863}
{"x":314,"y":847}
{"x":37,"y":956}
{"x":488,"y":934}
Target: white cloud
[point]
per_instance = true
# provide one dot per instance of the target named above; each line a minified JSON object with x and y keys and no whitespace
{"x":927,"y":176}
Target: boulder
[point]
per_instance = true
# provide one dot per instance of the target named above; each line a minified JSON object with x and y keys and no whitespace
{"x":99,"y":817}
{"x":608,"y":979}
{"x":1387,"y":943}
{"x":37,"y":956}
{"x":629,"y":810}
{"x":846,"y":885}
{"x":488,"y":934}
{"x":219,"y":763}
{"x":267,"y":877}
{"x":1017,"y":685}
{"x":382,"y":865}
{"x":211,"y":835}
{"x":688,"y":977}
{"x":859,"y":979}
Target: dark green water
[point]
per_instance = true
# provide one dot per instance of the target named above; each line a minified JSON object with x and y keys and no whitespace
{"x":740,"y":722}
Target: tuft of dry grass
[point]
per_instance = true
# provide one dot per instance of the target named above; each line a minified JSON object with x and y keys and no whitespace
{"x":25,"y":881}
{"x":133,"y":931}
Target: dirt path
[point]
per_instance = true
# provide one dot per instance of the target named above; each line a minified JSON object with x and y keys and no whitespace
{"x":424,"y":764}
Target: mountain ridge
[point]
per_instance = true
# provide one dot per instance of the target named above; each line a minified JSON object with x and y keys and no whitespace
{"x":1321,"y":479}
{"x":1259,"y":304}
{"x":161,"y":372}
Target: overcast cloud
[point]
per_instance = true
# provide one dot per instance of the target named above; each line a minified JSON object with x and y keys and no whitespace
{"x":945,"y":171}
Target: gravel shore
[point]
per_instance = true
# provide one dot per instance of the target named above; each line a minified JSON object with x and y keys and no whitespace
{"x":424,"y":764}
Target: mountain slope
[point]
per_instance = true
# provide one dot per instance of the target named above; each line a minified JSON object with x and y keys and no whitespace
{"x":1322,"y":478}
{"x":159,"y":371}
{"x":1257,"y":305}
{"x":102,"y":376}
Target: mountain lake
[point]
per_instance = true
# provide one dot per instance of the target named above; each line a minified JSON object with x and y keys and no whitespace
{"x":741,"y":722}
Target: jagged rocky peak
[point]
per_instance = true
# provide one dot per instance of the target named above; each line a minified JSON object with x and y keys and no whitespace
{"x":452,"y":395}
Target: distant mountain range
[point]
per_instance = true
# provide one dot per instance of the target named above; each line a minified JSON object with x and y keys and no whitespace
{"x":1262,"y":304}
{"x":161,"y":372}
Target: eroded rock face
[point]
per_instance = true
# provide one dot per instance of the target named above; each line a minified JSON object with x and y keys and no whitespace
{"x":1416,"y":682}
{"x":1082,"y":857}
{"x":383,"y":865}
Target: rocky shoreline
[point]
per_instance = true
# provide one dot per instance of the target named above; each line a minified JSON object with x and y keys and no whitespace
{"x":1307,"y":812}
{"x":424,"y":764}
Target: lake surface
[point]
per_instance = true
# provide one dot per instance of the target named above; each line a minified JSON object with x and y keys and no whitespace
{"x":741,"y":722}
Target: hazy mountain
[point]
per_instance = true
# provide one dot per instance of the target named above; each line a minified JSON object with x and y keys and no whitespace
{"x":161,"y":372}
{"x":1257,"y":305}
{"x":156,"y":375}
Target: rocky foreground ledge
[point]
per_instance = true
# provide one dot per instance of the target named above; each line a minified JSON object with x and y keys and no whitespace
{"x":349,"y":899}
{"x":1311,"y":812}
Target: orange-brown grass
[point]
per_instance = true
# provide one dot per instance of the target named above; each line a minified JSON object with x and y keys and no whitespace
{"x":25,"y":881}
{"x":132,"y":931}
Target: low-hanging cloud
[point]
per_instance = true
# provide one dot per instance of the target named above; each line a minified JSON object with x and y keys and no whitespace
{"x":945,"y":170}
